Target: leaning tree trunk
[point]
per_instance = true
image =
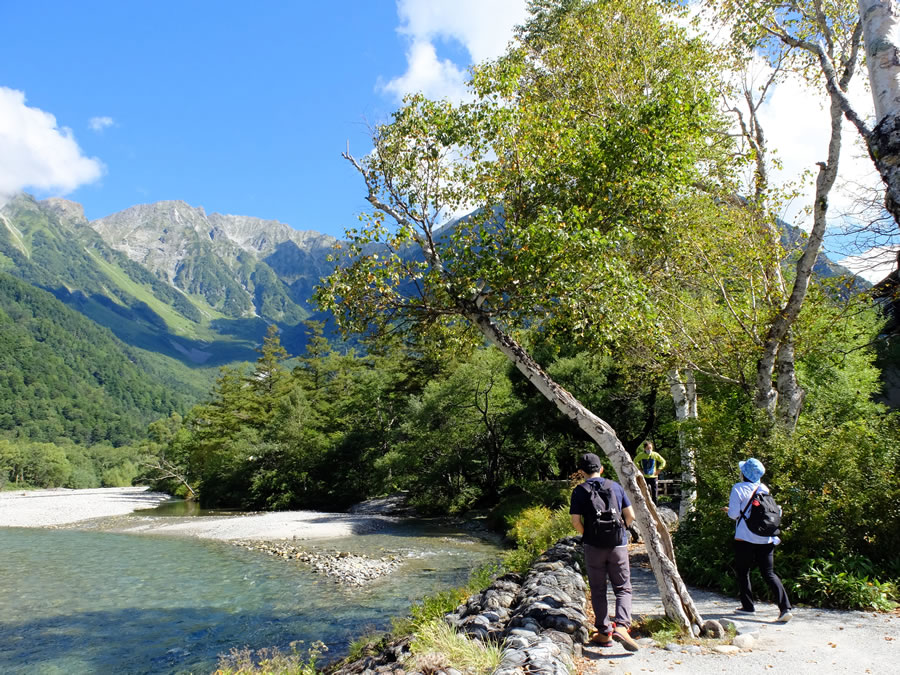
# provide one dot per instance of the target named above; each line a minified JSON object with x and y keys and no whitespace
{"x":676,"y":600}
{"x":684,"y":395}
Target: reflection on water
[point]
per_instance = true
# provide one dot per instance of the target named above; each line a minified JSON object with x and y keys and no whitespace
{"x":183,"y":507}
{"x":85,"y":602}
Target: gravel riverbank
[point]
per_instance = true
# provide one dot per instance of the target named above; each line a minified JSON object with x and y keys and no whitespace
{"x":64,"y":508}
{"x":60,"y":506}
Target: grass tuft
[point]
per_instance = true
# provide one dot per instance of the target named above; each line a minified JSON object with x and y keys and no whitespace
{"x":438,"y":645}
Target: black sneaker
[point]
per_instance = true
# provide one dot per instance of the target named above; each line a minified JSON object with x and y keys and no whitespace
{"x":743,"y":610}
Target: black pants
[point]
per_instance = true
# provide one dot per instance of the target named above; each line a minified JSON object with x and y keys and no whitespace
{"x":653,"y":487}
{"x":762,"y":556}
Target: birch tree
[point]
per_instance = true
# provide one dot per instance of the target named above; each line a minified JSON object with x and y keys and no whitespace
{"x":819,"y":37}
{"x":577,"y":155}
{"x":826,"y":29}
{"x":880,"y":21}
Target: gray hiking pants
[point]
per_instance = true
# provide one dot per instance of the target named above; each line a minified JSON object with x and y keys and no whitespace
{"x":611,"y":563}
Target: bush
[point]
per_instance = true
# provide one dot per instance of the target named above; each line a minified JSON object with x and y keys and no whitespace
{"x":838,"y":481}
{"x":535,"y":530}
{"x":516,"y":498}
{"x":430,"y":608}
{"x":272,"y":661}
{"x":844,"y":583}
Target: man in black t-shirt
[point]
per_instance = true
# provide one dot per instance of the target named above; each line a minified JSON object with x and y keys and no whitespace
{"x":603,"y":563}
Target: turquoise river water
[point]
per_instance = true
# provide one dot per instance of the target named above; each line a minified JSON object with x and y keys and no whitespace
{"x":98,"y":602}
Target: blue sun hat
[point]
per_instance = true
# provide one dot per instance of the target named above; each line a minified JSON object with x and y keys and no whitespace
{"x":752,"y":469}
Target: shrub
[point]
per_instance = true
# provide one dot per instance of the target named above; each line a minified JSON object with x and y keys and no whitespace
{"x":838,"y":481}
{"x":516,"y":498}
{"x":272,"y":661}
{"x":535,"y":530}
{"x":431,"y":607}
{"x":844,"y":583}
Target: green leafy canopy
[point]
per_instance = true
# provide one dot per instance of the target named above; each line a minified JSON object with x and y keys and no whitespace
{"x":572,"y":161}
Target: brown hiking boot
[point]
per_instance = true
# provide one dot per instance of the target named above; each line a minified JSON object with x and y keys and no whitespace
{"x":601,"y":639}
{"x":620,"y":633}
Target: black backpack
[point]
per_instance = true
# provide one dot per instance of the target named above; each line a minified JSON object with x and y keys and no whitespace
{"x":603,"y":525}
{"x":762,"y":514}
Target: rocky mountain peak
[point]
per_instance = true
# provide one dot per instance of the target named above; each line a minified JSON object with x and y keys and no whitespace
{"x":163,"y":234}
{"x":65,"y":210}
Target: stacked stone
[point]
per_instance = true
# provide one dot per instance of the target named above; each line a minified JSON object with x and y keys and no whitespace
{"x":484,"y":615}
{"x":541,"y":618}
{"x":548,"y":624}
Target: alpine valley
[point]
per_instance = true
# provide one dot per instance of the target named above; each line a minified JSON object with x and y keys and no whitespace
{"x":167,"y":277}
{"x":149,"y":301}
{"x":152,"y":300}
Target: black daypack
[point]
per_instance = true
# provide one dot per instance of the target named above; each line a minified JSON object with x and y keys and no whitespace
{"x":603,"y":527}
{"x":762,"y":514}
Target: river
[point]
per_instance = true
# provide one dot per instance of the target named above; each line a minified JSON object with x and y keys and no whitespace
{"x":92,"y":601}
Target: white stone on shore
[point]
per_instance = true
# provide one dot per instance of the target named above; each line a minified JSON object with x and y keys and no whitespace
{"x":49,"y":508}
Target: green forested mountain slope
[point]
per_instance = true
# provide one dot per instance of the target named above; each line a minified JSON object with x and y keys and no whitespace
{"x":64,"y":377}
{"x":202,"y":299}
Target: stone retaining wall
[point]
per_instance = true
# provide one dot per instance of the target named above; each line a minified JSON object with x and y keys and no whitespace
{"x":541,"y":618}
{"x":543,"y":621}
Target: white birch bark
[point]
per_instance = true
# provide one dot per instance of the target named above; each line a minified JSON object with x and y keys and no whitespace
{"x":880,"y":21}
{"x":684,"y":395}
{"x":790,"y":394}
{"x":676,"y":599}
{"x":881,"y":33}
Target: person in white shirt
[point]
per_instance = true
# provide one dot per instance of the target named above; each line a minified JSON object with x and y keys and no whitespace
{"x":750,"y":549}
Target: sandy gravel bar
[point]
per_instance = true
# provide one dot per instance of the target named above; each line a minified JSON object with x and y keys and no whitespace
{"x":61,"y":507}
{"x":262,"y":526}
{"x":45,"y":508}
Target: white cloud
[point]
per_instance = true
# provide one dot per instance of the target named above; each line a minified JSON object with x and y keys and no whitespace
{"x":35,"y":153}
{"x":98,"y":124}
{"x":427,"y":74}
{"x":873,"y":265}
{"x":798,"y":128}
{"x":482,"y":27}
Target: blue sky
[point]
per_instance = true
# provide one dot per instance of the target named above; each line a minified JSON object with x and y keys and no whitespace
{"x":245,"y":108}
{"x":238,"y":107}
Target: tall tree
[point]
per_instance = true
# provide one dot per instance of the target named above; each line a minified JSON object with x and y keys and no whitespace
{"x":576,"y":154}
{"x":821,"y":37}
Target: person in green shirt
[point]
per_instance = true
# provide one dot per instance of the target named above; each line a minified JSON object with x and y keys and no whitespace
{"x":650,"y":463}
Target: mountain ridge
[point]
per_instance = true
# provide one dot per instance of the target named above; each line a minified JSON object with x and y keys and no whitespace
{"x":168,"y":277}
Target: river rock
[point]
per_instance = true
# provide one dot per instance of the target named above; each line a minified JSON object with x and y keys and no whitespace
{"x":668,"y":516}
{"x":344,"y":567}
{"x":743,"y":641}
{"x":726,"y":649}
{"x":712,"y":629}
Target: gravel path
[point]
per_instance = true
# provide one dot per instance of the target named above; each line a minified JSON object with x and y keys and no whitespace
{"x":815,"y":642}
